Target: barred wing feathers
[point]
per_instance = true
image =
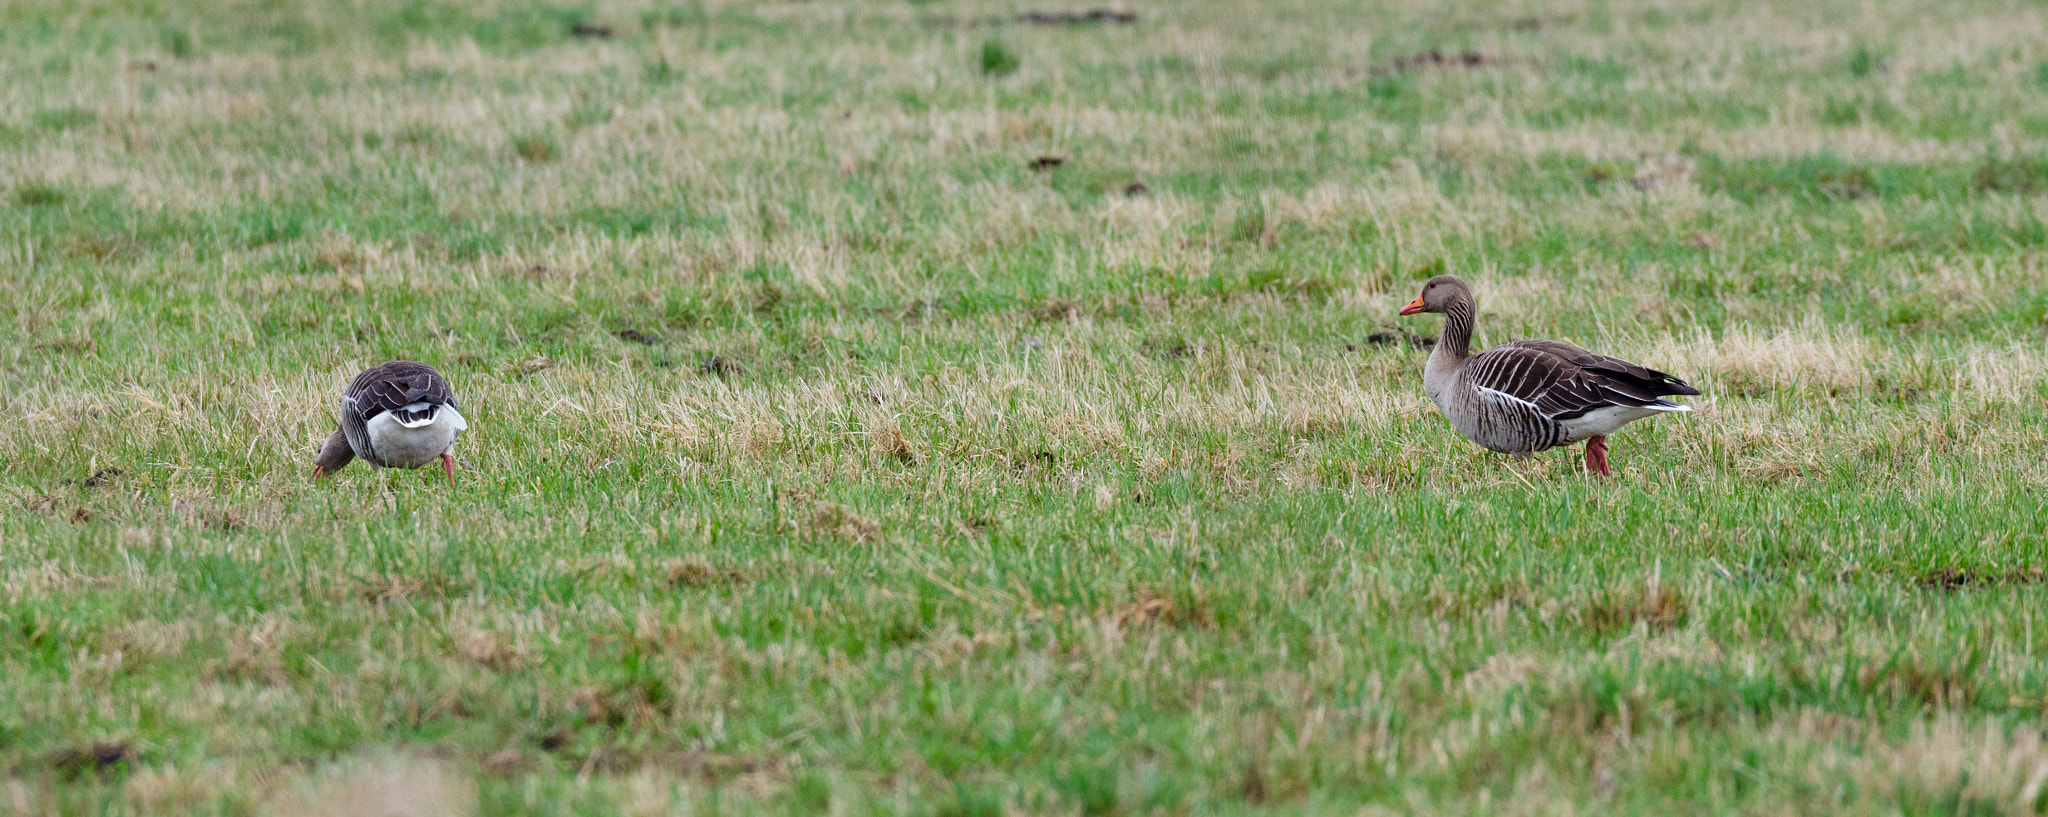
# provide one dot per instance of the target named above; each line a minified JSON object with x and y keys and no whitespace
{"x":1564,"y":382}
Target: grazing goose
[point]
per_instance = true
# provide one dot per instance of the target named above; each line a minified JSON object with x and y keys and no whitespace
{"x":1532,"y":395}
{"x":398,"y":415}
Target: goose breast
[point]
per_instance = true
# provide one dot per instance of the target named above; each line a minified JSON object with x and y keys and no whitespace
{"x":1500,"y":420}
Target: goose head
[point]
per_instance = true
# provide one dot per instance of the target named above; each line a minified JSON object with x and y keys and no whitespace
{"x":1438,"y":294}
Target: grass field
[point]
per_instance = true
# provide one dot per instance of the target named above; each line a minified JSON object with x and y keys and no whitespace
{"x":924,"y":409}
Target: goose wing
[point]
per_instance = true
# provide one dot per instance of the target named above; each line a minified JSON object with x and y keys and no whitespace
{"x":1631,"y":379}
{"x":1563,"y":382}
{"x":390,"y":387}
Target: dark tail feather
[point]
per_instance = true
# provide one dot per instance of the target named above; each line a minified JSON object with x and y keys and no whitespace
{"x":1673,"y":385}
{"x":1642,"y":380}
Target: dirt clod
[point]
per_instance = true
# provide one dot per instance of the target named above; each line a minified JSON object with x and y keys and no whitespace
{"x":99,"y":757}
{"x":1076,"y":18}
{"x":395,"y":587}
{"x":720,"y":366}
{"x":1658,"y":608}
{"x":1432,"y":58}
{"x":1152,"y":608}
{"x":1166,"y":349}
{"x":697,"y":572}
{"x":1056,"y":312}
{"x":506,"y":763}
{"x":102,"y":477}
{"x":1956,"y":578}
{"x":841,"y":521}
{"x":1401,"y":337}
{"x":532,"y":366}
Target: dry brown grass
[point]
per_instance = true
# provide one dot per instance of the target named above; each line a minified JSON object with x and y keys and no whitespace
{"x":387,"y":786}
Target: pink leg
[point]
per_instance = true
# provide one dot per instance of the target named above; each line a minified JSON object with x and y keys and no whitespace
{"x":1596,"y":456}
{"x":448,"y":465}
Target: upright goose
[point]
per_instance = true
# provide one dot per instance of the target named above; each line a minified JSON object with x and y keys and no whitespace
{"x":398,"y":415}
{"x":1533,"y":395}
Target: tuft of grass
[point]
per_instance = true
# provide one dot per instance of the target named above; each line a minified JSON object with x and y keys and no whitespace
{"x":1388,"y":86}
{"x":589,"y":113}
{"x":2022,"y":176}
{"x":1865,"y":61}
{"x":177,"y":41}
{"x":417,"y":135}
{"x":38,"y":194}
{"x":997,"y":60}
{"x":1601,"y":71}
{"x":538,"y":148}
{"x":676,"y":14}
{"x":61,"y":119}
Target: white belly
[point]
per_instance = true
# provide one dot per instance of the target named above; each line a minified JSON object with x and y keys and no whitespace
{"x":402,"y":446}
{"x":1602,"y":422}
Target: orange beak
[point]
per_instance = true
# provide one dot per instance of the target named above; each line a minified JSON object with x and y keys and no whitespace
{"x":1414,"y":307}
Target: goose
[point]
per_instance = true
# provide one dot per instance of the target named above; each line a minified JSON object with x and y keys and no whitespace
{"x":1533,"y":395}
{"x":398,"y":415}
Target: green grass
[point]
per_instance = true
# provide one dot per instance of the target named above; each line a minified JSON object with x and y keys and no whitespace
{"x":831,"y":452}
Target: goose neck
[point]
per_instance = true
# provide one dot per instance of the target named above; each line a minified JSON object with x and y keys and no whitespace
{"x":1456,"y":341}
